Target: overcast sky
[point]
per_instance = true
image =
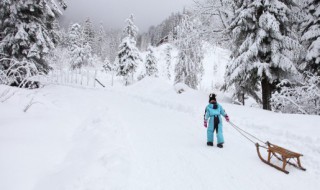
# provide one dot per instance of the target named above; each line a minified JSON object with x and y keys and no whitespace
{"x":113,"y":13}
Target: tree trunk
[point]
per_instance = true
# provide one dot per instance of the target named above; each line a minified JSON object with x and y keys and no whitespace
{"x":266,"y":93}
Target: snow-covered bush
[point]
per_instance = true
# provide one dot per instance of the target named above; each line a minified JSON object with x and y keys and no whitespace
{"x":181,"y":88}
{"x":20,"y":73}
{"x":301,"y":98}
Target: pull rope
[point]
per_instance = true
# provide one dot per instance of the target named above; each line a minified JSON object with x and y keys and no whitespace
{"x":247,"y":134}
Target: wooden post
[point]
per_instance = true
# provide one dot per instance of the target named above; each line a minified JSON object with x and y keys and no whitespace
{"x":112,"y":79}
{"x":284,"y":159}
{"x":95,"y":76}
{"x":76,"y":76}
{"x":87,"y":77}
{"x":81,"y":77}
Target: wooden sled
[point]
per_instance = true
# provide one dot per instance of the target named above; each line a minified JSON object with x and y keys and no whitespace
{"x":281,"y":154}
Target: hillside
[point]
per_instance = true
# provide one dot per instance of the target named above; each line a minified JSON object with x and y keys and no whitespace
{"x":145,"y":136}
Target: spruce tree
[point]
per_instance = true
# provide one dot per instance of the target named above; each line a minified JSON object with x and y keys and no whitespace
{"x":89,"y":33}
{"x":100,"y":42}
{"x":151,"y":63}
{"x":265,"y":46}
{"x":310,"y":29}
{"x":128,"y":55}
{"x":79,"y":48}
{"x":27,"y":34}
{"x":168,"y":60}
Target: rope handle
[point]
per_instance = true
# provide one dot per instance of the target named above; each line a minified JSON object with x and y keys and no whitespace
{"x":247,"y":134}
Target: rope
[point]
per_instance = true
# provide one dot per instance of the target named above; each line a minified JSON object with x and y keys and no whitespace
{"x":246,"y":134}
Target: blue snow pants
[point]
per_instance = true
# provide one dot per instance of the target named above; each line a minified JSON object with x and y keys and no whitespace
{"x":215,"y":128}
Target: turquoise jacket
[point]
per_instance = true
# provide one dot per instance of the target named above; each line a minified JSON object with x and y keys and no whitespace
{"x":210,"y":112}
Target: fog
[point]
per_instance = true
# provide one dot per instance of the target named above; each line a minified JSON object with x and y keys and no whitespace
{"x":113,"y":13}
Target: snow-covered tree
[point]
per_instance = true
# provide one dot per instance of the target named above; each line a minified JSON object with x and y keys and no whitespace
{"x":166,"y":29}
{"x":189,"y":68}
{"x":151,"y":63}
{"x":89,"y":33}
{"x":101,"y":42}
{"x":265,"y":46}
{"x":214,"y":16}
{"x":131,"y":30}
{"x":168,"y":60}
{"x":79,"y":48}
{"x":109,"y":66}
{"x":310,"y":29}
{"x":27,"y":34}
{"x":128,"y":56}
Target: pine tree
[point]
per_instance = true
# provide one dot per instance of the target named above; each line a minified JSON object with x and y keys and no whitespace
{"x":131,"y":30}
{"x":89,"y":33}
{"x":189,"y":68}
{"x":79,"y":48}
{"x":151,"y":63}
{"x":100,"y":42}
{"x":128,"y":55}
{"x":27,"y":34}
{"x":265,"y":46}
{"x":310,"y":29}
{"x":168,"y":60}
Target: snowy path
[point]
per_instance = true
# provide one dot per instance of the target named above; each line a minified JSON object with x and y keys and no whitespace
{"x":154,"y":139}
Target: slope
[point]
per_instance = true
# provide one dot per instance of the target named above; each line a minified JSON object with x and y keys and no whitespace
{"x":144,"y":136}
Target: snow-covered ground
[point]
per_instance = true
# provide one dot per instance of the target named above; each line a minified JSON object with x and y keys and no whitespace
{"x":145,"y":136}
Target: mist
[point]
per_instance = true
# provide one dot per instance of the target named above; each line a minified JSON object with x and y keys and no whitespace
{"x":113,"y":13}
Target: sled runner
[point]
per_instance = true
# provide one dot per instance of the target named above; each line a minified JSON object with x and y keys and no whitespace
{"x":281,"y":154}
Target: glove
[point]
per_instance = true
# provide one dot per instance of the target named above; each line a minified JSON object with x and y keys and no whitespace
{"x":227,"y":118}
{"x":205,"y":124}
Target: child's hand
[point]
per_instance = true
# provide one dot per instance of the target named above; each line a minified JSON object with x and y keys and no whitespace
{"x":227,"y":118}
{"x":205,"y":124}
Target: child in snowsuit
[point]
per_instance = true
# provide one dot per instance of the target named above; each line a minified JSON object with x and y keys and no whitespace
{"x":213,"y":112}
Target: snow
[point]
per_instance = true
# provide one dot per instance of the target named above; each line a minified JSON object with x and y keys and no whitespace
{"x":144,"y":136}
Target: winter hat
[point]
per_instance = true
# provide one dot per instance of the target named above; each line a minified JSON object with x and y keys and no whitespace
{"x":212,"y":96}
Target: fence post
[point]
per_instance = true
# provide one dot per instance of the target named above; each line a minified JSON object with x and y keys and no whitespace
{"x":95,"y":76}
{"x":76,"y":76}
{"x":61,"y":76}
{"x":87,"y":77}
{"x":81,"y":77}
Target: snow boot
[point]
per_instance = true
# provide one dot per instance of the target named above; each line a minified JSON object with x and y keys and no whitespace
{"x":220,"y":145}
{"x":210,"y":143}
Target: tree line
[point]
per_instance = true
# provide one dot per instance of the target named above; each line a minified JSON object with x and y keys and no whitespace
{"x":274,"y":45}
